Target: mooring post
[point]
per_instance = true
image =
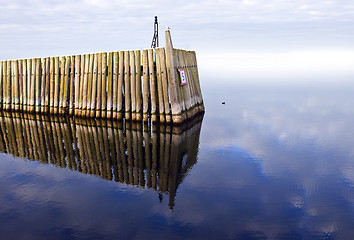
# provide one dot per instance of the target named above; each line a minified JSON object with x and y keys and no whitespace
{"x":175,"y":96}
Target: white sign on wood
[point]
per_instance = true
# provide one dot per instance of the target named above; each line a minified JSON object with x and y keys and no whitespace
{"x":182,"y":74}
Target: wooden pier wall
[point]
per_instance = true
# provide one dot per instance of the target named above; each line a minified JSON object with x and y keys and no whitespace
{"x":135,"y":85}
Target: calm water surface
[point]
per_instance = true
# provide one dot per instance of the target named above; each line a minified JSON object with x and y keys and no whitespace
{"x":270,"y":163}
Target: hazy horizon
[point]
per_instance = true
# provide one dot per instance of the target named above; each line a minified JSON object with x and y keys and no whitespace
{"x":248,"y":38}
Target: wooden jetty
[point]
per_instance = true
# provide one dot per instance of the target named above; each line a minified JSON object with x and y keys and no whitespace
{"x":159,"y":85}
{"x":156,"y":158}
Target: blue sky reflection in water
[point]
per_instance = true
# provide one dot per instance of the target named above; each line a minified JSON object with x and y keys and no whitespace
{"x":272,"y":163}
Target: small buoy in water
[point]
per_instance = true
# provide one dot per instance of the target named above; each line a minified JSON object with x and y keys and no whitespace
{"x":223,"y":103}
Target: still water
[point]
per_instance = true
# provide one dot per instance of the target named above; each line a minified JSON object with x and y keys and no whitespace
{"x":270,"y":163}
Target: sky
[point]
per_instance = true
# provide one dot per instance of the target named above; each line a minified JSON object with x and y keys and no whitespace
{"x":247,"y":38}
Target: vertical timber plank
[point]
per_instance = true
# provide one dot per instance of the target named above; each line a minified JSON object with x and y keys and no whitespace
{"x":104,"y":86}
{"x":99,"y":85}
{"x":176,"y":105}
{"x":153,"y":87}
{"x":127,"y":86}
{"x":165,"y":85}
{"x":110,"y":86}
{"x":56,"y":84}
{"x":132,"y":84}
{"x":94,"y":87}
{"x":138,"y":85}
{"x":159,"y":86}
{"x":38,"y":86}
{"x":146,"y":86}
{"x":77,"y":84}
{"x":115,"y":85}
{"x":72,"y":86}
{"x":120,"y":97}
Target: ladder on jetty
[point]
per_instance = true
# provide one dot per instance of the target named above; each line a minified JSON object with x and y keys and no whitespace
{"x":160,"y":84}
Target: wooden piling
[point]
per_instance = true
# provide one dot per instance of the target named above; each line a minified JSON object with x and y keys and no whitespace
{"x":110,"y":85}
{"x":12,"y":104}
{"x":56,"y":85}
{"x":153,"y":87}
{"x":94,"y":87}
{"x":4,"y":85}
{"x":127,"y":86}
{"x":20,"y":79}
{"x":72,"y":86}
{"x":104,"y":86}
{"x":62,"y":86}
{"x":146,"y":86}
{"x":193,"y":88}
{"x":159,"y":87}
{"x":99,"y":86}
{"x":190,"y":77}
{"x":176,"y":104}
{"x":24,"y":85}
{"x":47,"y":86}
{"x":32,"y":82}
{"x":66,"y":90}
{"x":185,"y":89}
{"x":132,"y":84}
{"x":38,"y":77}
{"x":197,"y":99}
{"x":84,"y":90}
{"x":115,"y":85}
{"x":1,"y":84}
{"x":138,"y":98}
{"x":82,"y":76}
{"x":163,"y":73}
{"x":120,"y":97}
{"x":89,"y":85}
{"x":8,"y":86}
{"x":77,"y":84}
{"x":196,"y":81}
{"x":43,"y":85}
{"x":51,"y":85}
{"x":16,"y":91}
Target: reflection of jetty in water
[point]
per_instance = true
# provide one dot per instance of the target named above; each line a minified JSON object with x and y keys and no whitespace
{"x":133,"y":154}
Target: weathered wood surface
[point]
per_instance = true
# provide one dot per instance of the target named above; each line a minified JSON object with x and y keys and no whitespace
{"x":134,"y":85}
